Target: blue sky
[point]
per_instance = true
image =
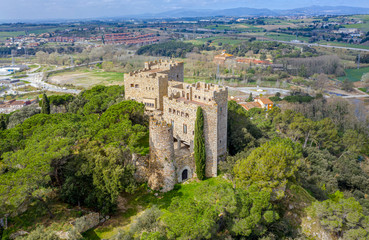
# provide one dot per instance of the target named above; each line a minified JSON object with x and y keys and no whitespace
{"x":52,"y":9}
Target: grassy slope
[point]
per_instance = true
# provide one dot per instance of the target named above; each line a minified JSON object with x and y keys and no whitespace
{"x":37,"y":215}
{"x":141,"y":200}
{"x":86,"y":78}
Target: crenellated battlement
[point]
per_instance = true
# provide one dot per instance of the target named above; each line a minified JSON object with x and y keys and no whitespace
{"x":162,"y":64}
{"x":172,"y":105}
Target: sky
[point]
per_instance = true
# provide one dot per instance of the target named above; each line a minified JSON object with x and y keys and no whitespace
{"x":76,"y":9}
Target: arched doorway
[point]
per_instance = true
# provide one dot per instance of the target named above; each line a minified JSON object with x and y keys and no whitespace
{"x":185,"y":175}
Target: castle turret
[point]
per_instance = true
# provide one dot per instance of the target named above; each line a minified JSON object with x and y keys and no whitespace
{"x":163,"y":176}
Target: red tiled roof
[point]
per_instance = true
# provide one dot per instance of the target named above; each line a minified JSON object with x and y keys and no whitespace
{"x":266,"y":101}
{"x":250,"y":105}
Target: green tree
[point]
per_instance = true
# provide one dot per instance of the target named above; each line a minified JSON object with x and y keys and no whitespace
{"x":2,"y":122}
{"x":242,"y":134}
{"x":303,"y":71}
{"x":354,"y":142}
{"x":341,"y":216}
{"x":219,"y":209}
{"x":199,"y":145}
{"x":45,"y":107}
{"x":269,"y":166}
{"x":347,"y":85}
{"x":250,"y":99}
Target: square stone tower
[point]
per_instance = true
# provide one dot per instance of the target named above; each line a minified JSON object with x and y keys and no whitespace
{"x":150,"y":84}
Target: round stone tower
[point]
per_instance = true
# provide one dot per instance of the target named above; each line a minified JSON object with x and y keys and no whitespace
{"x":163,"y":176}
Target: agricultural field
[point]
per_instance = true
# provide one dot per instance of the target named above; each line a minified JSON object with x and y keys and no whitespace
{"x":5,"y":35}
{"x":86,"y":78}
{"x":237,"y":27}
{"x":362,"y":26}
{"x":285,"y":37}
{"x":354,"y":75}
{"x":216,"y":40}
{"x":340,"y":44}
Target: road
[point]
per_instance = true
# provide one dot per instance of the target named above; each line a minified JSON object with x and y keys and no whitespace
{"x":262,"y":90}
{"x":266,"y":38}
{"x":323,"y":45}
{"x":36,"y":80}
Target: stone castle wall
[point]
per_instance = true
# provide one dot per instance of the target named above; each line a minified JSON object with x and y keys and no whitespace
{"x":211,"y":140}
{"x":162,"y":170}
{"x":174,"y":70}
{"x":160,"y":87}
{"x":222,"y":115}
{"x":179,"y":113}
{"x":147,"y":89}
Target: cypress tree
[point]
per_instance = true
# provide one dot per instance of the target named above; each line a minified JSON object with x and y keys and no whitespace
{"x":199,"y":145}
{"x":2,"y":123}
{"x":251,"y":99}
{"x":45,"y":107}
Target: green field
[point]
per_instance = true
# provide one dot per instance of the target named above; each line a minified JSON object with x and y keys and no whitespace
{"x":354,"y":75}
{"x":339,"y":44}
{"x":362,"y":26}
{"x":218,"y":27}
{"x":44,"y":30}
{"x":5,"y":35}
{"x":216,"y":40}
{"x":85,"y":78}
{"x":236,"y":27}
{"x":285,"y":37}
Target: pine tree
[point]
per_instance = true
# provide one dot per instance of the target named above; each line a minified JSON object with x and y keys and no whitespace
{"x":199,"y":145}
{"x":45,"y":107}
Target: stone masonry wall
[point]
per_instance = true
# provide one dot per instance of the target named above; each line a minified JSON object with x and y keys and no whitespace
{"x":146,"y":86}
{"x":160,"y":87}
{"x":211,"y":140}
{"x":179,"y":112}
{"x":175,"y":73}
{"x":222,"y":101}
{"x":162,"y":170}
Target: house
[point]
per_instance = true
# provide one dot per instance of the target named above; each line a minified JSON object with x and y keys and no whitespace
{"x":250,"y":105}
{"x":223,"y":57}
{"x":252,"y":61}
{"x":263,"y":103}
{"x":12,"y":106}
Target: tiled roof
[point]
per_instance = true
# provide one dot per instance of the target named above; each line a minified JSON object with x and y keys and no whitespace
{"x":249,"y":105}
{"x":266,"y":101}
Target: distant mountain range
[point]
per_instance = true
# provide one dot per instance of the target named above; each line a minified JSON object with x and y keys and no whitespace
{"x":254,"y":12}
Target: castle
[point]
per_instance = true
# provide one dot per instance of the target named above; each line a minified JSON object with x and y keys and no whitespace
{"x":172,"y":106}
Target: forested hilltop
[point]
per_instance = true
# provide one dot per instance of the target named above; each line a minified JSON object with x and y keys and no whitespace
{"x":296,"y":173}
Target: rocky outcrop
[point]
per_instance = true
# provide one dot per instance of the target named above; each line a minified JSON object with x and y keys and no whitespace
{"x":86,"y":222}
{"x":18,"y":234}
